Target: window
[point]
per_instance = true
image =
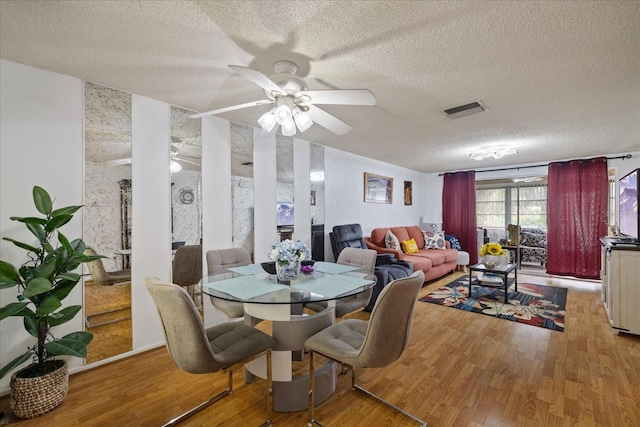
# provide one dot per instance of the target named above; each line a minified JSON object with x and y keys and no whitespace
{"x":499,"y":204}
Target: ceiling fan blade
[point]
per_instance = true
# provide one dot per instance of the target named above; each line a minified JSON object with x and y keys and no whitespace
{"x":258,"y":78}
{"x":182,"y":159}
{"x":119,"y":162}
{"x":328,"y":121}
{"x":234,"y":107}
{"x":340,"y":96}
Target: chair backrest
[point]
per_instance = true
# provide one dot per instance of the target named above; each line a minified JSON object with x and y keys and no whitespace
{"x":220,"y":259}
{"x":389,"y":327}
{"x":346,"y":236}
{"x":96,"y":269}
{"x":187,"y":265}
{"x":361,"y":258}
{"x":184,"y":332}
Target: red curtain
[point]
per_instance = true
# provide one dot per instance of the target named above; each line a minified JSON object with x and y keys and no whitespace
{"x":459,"y":210}
{"x":577,"y":198}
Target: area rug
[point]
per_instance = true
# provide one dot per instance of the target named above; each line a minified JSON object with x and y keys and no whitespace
{"x":536,"y":305}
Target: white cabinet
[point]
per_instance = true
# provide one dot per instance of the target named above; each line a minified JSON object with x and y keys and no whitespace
{"x":620,"y":276}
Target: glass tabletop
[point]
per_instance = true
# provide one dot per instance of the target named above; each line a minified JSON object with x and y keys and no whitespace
{"x":249,"y":284}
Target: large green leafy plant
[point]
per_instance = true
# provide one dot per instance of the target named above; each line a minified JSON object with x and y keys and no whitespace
{"x":43,"y":282}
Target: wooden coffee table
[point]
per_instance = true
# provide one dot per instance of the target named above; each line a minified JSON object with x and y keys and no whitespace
{"x":501,"y":271}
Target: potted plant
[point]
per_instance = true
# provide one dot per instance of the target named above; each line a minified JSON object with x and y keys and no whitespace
{"x":43,"y":282}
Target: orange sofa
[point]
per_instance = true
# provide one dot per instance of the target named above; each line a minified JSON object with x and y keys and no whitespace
{"x":433,"y":262}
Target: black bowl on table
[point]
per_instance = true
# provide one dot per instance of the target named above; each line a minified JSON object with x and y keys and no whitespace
{"x":269,"y":267}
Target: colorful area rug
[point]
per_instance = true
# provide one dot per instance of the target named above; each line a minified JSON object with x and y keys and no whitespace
{"x":536,"y":305}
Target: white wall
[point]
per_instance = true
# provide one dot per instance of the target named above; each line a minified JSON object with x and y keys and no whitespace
{"x":41,"y":143}
{"x":345,"y":202}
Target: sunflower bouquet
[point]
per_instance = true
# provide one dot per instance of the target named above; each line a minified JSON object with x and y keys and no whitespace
{"x":492,"y":249}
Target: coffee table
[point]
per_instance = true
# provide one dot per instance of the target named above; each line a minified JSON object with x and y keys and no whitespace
{"x":501,"y":271}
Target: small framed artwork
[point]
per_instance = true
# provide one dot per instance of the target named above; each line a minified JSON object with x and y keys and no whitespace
{"x":313,"y":197}
{"x":377,"y":188}
{"x":408,"y":193}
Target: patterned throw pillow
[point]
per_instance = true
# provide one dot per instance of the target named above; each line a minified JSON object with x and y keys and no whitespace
{"x":453,"y":240}
{"x":409,"y":246}
{"x":391,"y":241}
{"x":434,"y":240}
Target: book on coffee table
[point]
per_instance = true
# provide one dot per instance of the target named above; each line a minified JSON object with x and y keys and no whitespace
{"x":491,"y":279}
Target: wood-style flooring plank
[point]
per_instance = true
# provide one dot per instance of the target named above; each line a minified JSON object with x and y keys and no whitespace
{"x":460,"y":369}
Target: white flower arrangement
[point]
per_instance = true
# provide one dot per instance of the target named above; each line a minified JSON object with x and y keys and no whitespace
{"x":289,"y":251}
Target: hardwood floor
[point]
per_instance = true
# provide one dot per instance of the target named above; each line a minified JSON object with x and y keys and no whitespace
{"x":461,"y":369}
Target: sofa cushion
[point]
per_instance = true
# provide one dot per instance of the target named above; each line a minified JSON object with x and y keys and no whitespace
{"x":391,"y":241}
{"x":401,"y":233}
{"x":434,"y":240}
{"x":419,"y":262}
{"x":409,"y":246}
{"x":377,"y":236}
{"x":415,"y":233}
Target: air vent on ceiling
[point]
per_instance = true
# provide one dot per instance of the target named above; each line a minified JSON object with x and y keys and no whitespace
{"x":465,"y":110}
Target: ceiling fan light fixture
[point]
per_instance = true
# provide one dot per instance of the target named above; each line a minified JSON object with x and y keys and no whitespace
{"x":302,"y":120}
{"x":174,"y":167}
{"x":268,"y":120}
{"x":289,"y":128}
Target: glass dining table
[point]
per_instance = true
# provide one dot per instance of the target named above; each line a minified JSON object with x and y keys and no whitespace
{"x":264,"y":298}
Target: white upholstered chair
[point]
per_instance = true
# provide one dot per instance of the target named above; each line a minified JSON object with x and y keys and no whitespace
{"x":218,"y":260}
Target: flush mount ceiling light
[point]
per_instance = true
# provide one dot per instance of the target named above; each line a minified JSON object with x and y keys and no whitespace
{"x":295,"y":105}
{"x":495,"y":153}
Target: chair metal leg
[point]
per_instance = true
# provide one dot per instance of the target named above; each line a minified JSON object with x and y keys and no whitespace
{"x":229,"y":390}
{"x":312,"y":376}
{"x":269,"y":423}
{"x":204,"y":404}
{"x":354,"y":386}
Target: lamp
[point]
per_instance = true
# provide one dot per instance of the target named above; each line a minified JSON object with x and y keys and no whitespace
{"x":434,"y":218}
{"x":287,"y":115}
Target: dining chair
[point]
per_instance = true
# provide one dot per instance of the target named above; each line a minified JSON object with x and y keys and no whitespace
{"x":196,"y":350}
{"x":186,"y":269}
{"x":364,"y":259}
{"x":101,"y":276}
{"x":218,"y":261}
{"x":374,"y":344}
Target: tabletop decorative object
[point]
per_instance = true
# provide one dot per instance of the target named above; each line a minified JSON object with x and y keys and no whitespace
{"x":491,"y":254}
{"x":288,"y":255}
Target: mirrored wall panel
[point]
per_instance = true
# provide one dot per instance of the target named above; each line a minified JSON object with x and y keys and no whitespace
{"x":284,"y":188}
{"x":107,"y":220}
{"x":242,"y":186}
{"x":316,"y":178}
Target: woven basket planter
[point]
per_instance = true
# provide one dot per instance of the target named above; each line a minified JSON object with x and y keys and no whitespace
{"x":32,"y":397}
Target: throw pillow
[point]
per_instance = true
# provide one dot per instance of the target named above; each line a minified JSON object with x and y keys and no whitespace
{"x":409,"y":246}
{"x":453,"y":240}
{"x":391,"y":241}
{"x":434,"y":240}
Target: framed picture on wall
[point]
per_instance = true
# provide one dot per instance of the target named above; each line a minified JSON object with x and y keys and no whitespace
{"x":408,"y":193}
{"x":377,"y":188}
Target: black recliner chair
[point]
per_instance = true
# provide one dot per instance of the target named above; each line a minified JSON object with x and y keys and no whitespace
{"x":387,"y":269}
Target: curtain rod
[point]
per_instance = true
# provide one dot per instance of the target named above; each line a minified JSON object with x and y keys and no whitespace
{"x":626,"y":156}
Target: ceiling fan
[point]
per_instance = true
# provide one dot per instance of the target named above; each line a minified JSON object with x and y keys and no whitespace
{"x":175,"y":158}
{"x":295,"y":106}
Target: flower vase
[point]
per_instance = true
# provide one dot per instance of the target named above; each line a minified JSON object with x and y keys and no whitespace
{"x":287,"y":271}
{"x":491,"y":261}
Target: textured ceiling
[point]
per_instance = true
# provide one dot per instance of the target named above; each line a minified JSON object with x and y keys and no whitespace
{"x":561,"y":79}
